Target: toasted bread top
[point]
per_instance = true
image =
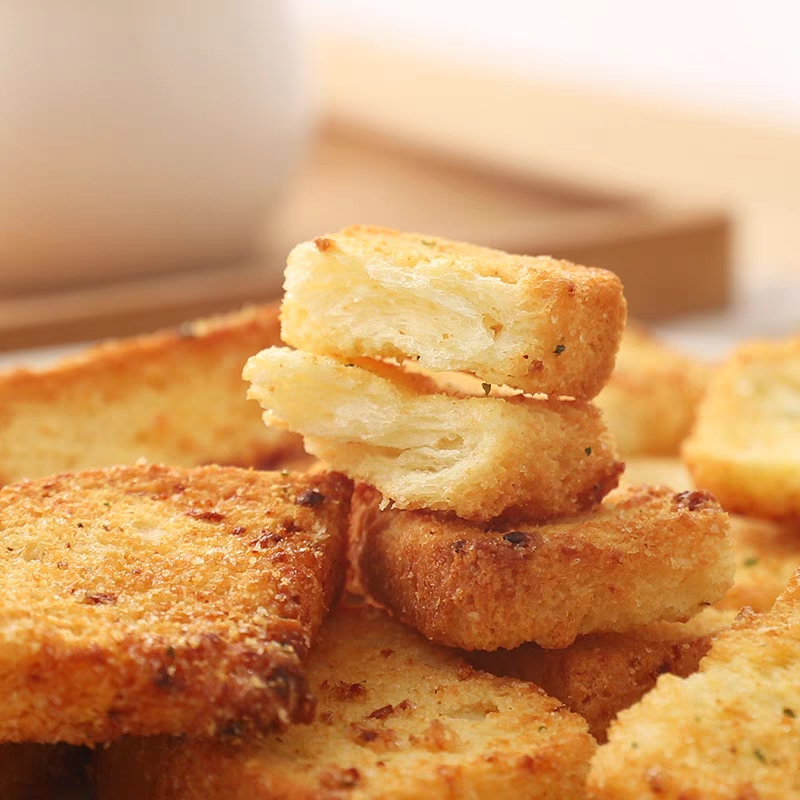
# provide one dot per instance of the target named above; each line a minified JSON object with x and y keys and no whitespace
{"x":397,"y":717}
{"x":646,"y":554}
{"x":174,"y":397}
{"x":729,"y":731}
{"x":150,"y":599}
{"x":534,"y":323}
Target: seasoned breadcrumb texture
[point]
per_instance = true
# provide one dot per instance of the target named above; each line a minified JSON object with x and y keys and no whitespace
{"x":746,"y":445}
{"x":479,"y":457}
{"x":535,"y":323}
{"x":174,"y":397}
{"x":728,"y":732}
{"x":599,"y":675}
{"x":647,"y":555}
{"x":651,"y":399}
{"x":150,"y":599}
{"x":40,"y":772}
{"x":396,"y":718}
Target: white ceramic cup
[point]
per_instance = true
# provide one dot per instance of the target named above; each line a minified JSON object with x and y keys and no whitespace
{"x":141,"y":135}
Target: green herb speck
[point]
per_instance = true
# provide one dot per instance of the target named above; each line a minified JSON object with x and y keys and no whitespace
{"x":588,"y":451}
{"x":760,"y":756}
{"x":560,"y":349}
{"x":788,"y":712}
{"x":750,"y":562}
{"x":428,"y":242}
{"x":171,"y":652}
{"x":487,"y":387}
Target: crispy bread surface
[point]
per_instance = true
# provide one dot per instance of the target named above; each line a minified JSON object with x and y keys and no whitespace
{"x":174,"y":397}
{"x":766,"y":553}
{"x":599,"y":675}
{"x":745,"y":447}
{"x":479,"y":457}
{"x":651,"y":399}
{"x":646,"y":555}
{"x":149,"y":599}
{"x":397,"y":718}
{"x":535,"y":323}
{"x":729,"y":732}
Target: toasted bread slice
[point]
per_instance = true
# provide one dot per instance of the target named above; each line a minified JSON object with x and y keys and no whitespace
{"x":174,"y":397}
{"x":599,"y":675}
{"x":651,"y":399}
{"x":479,"y":457}
{"x":766,"y":553}
{"x":150,"y":599}
{"x":538,"y":324}
{"x":40,"y":772}
{"x":646,"y":555}
{"x":728,"y":732}
{"x":397,"y":717}
{"x":745,"y":447}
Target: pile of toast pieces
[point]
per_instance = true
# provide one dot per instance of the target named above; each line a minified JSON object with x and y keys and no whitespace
{"x":426,"y":575}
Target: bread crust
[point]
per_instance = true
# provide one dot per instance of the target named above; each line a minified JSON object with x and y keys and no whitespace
{"x":173,"y":397}
{"x":651,"y":398}
{"x":397,"y":718}
{"x":150,"y":599}
{"x":479,"y":457}
{"x":601,"y":674}
{"x":745,"y":447}
{"x":534,"y":323}
{"x":728,"y":732}
{"x":648,"y":554}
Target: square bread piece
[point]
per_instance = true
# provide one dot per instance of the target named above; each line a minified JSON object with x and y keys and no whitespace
{"x":651,"y":398}
{"x":397,"y":718}
{"x":173,"y":397}
{"x":646,"y":555}
{"x":534,"y":323}
{"x":478,"y":457}
{"x":745,"y":447}
{"x":729,"y":732}
{"x":150,"y":599}
{"x":599,"y":675}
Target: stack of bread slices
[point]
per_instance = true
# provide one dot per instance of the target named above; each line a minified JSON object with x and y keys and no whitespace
{"x":454,"y":382}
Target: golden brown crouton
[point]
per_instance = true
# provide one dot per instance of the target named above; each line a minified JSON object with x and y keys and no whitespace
{"x":745,"y":447}
{"x":174,"y":397}
{"x":647,"y":554}
{"x":729,"y":732}
{"x":766,"y":553}
{"x":651,"y":399}
{"x":599,"y":675}
{"x":538,"y":324}
{"x":150,"y":599}
{"x":479,"y":457}
{"x":396,"y":718}
{"x":40,"y":772}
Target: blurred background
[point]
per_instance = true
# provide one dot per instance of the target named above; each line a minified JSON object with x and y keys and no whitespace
{"x":159,"y":159}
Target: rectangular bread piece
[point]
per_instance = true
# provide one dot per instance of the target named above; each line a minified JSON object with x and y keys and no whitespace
{"x":646,"y":555}
{"x":396,"y":718}
{"x":745,"y":447}
{"x":150,"y":599}
{"x":173,"y":397}
{"x":479,"y":457}
{"x":729,"y":732}
{"x":534,"y":323}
